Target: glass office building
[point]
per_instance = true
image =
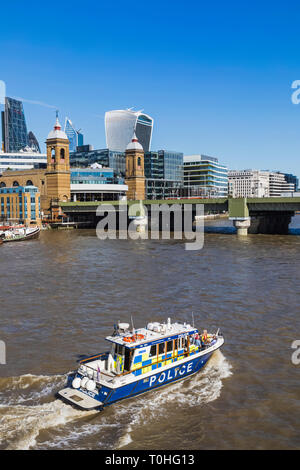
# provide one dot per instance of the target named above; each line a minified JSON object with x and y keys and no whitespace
{"x":292,"y":179}
{"x":163,"y":169}
{"x":14,"y":130}
{"x":86,"y":156}
{"x":120,"y":126}
{"x":96,"y":184}
{"x":75,"y":137}
{"x":204,"y":176}
{"x":94,"y":176}
{"x":163,"y":174}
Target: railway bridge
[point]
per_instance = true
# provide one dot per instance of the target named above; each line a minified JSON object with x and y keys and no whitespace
{"x":269,"y":215}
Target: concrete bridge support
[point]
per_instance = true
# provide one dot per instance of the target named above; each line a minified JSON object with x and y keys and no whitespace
{"x":242,"y":226}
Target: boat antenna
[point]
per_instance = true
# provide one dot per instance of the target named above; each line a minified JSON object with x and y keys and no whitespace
{"x":132,"y":324}
{"x":193,"y":320}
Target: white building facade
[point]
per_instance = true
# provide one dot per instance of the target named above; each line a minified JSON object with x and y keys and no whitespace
{"x":120,"y":126}
{"x":248,"y":183}
{"x":279,"y":185}
{"x":24,"y":160}
{"x":257,"y":183}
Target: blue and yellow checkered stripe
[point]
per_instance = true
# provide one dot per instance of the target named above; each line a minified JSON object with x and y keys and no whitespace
{"x":145,"y":364}
{"x":120,"y":360}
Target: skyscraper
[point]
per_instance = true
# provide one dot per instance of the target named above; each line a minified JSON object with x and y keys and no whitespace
{"x":120,"y":126}
{"x":33,"y":142}
{"x":75,"y":137}
{"x":14,"y":130}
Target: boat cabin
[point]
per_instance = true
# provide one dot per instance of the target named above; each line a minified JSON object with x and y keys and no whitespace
{"x":143,"y":350}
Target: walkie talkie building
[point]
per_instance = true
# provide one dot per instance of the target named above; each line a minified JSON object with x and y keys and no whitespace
{"x":120,"y":126}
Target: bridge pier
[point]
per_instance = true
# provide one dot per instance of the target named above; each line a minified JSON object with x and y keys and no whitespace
{"x":242,"y":226}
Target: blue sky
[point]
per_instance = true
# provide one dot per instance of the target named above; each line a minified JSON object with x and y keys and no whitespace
{"x":215,"y":76}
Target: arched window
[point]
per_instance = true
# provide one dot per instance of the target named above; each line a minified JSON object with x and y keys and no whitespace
{"x":53,"y":154}
{"x":29,"y":183}
{"x":62,"y":154}
{"x":15,"y":183}
{"x":139,"y":161}
{"x":2,"y":185}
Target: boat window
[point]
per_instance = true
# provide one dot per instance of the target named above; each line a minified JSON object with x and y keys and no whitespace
{"x":119,"y":349}
{"x":153,"y":350}
{"x":127,"y":361}
{"x":161,"y":349}
{"x":169,"y":346}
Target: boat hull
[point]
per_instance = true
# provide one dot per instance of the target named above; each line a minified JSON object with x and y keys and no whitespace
{"x":29,"y":236}
{"x":106,"y":395}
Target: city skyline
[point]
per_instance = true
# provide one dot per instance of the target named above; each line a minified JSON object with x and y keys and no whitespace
{"x":226,"y":94}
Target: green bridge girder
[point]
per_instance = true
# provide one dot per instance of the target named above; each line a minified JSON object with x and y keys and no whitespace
{"x":236,"y":207}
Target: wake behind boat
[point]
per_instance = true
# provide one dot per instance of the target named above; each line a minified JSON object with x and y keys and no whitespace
{"x":139,"y":361}
{"x":19,"y":233}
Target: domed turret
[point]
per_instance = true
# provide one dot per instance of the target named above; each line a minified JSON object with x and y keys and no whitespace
{"x":135,"y":178}
{"x":134,"y":144}
{"x":57,"y":133}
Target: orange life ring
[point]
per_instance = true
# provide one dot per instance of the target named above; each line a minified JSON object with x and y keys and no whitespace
{"x":137,"y":337}
{"x":128,"y":339}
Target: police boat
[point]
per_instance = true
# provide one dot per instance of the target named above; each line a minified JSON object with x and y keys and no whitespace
{"x":140,"y":360}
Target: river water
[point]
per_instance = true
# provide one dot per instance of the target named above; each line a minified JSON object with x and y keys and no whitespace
{"x":61,"y":294}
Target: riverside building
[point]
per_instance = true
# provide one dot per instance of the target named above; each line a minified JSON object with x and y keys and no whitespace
{"x":20,"y":203}
{"x":256,"y":183}
{"x":248,"y":183}
{"x":163,"y":169}
{"x":96,"y":184}
{"x":279,"y":184}
{"x":53,"y":182}
{"x":204,"y":177}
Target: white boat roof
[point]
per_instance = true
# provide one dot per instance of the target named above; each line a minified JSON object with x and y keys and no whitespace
{"x":154,"y":333}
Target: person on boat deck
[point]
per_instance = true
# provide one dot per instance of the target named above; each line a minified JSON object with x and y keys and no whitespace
{"x":197,"y":340}
{"x":204,"y":337}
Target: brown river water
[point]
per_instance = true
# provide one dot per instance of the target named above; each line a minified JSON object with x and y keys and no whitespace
{"x":61,"y":294}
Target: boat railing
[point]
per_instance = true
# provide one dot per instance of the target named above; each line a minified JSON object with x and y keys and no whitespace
{"x":86,"y":359}
{"x":95,"y":372}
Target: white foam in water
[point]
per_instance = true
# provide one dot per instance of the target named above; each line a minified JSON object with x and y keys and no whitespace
{"x":201,"y":388}
{"x":22,"y":424}
{"x":28,"y":387}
